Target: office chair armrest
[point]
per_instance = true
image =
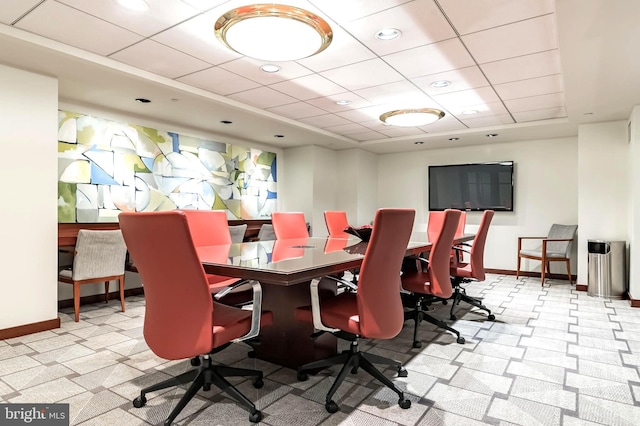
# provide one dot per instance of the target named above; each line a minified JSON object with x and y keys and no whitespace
{"x":226,"y":290}
{"x":343,"y":283}
{"x":256,"y":311}
{"x":462,"y":249}
{"x":315,"y":307}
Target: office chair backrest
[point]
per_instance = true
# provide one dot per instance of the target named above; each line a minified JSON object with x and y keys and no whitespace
{"x":379,"y":305}
{"x":237,"y":232}
{"x":561,"y":232}
{"x":477,"y":247}
{"x":440,"y":255}
{"x":266,"y":233}
{"x":336,"y":221}
{"x":288,"y":225}
{"x":98,"y":254}
{"x":208,"y":227}
{"x":178,"y":320}
{"x":436,"y":220}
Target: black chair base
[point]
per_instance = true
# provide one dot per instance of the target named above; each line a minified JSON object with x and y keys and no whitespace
{"x":204,"y":377}
{"x":351,"y":360}
{"x":460,"y":294}
{"x":418,"y":314}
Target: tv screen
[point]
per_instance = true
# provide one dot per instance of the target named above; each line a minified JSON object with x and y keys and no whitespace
{"x":481,"y":186}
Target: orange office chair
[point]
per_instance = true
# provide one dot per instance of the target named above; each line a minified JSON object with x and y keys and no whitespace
{"x":473,"y":270}
{"x":436,"y":220}
{"x":374,"y":311}
{"x":336,"y":222}
{"x":287,"y":225}
{"x":181,"y":320}
{"x":431,"y":279}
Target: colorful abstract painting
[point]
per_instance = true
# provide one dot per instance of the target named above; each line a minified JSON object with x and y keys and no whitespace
{"x":106,"y":167}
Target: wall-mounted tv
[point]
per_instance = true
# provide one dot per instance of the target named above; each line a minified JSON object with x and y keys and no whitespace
{"x":473,"y":187}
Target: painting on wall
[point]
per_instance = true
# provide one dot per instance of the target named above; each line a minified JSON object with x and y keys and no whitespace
{"x":106,"y":167}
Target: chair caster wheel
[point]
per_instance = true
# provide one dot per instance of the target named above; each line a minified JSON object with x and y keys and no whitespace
{"x":453,"y":317}
{"x":302,"y":376}
{"x":402,"y":372}
{"x":195,"y":361}
{"x":255,"y":417}
{"x":491,"y":317}
{"x":258,"y":383}
{"x":404,"y":403}
{"x":139,"y":402}
{"x":460,"y":340}
{"x":354,"y":370}
{"x":444,"y":302}
{"x":331,"y":407}
{"x":251,"y":354}
{"x":417,"y":344}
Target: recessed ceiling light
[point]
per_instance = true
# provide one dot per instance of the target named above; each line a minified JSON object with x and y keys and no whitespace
{"x":270,"y":68}
{"x":440,"y":83}
{"x":470,"y":112}
{"x":135,"y":5}
{"x":278,"y":136}
{"x":142,"y":100}
{"x":492,"y":135}
{"x":388,"y":34}
{"x":418,"y":143}
{"x":226,"y":121}
{"x":343,"y":102}
{"x":412,"y":117}
{"x":454,"y":139}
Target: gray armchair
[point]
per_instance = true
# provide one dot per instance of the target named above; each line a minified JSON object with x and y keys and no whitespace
{"x":555,"y":247}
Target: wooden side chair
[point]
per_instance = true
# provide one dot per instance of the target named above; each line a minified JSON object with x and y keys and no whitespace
{"x":99,"y":256}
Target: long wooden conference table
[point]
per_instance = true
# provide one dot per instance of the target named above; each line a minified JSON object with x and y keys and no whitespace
{"x":285,"y":268}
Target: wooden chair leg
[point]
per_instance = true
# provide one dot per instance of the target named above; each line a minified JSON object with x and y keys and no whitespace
{"x":518,"y":268}
{"x":569,"y":270}
{"x":76,"y":300}
{"x":543,"y":273}
{"x":121,"y":284}
{"x":106,"y":292}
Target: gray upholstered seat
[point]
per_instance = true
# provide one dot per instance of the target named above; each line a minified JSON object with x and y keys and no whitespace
{"x":266,"y":233}
{"x":556,"y":246}
{"x":99,"y":256}
{"x":237,"y":232}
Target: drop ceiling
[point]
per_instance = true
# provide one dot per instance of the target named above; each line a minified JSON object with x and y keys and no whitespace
{"x":529,"y":69}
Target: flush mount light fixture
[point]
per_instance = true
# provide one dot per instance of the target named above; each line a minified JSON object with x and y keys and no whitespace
{"x":143,"y":100}
{"x":388,"y":34}
{"x":270,"y":68}
{"x":343,"y":102}
{"x":135,"y":5}
{"x":411,"y":117}
{"x":273,"y":32}
{"x":440,"y":83}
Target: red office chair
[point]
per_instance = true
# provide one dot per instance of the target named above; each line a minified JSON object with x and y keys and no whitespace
{"x":374,"y":311}
{"x":287,"y":225}
{"x":336,"y":221}
{"x":431,"y":279}
{"x":472,"y":271}
{"x":436,"y":219}
{"x":181,"y":319}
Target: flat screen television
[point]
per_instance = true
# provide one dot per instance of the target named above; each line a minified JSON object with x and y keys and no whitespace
{"x":472,"y":187}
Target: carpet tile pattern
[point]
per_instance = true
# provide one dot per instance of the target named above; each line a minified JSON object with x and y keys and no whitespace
{"x":554,"y":356}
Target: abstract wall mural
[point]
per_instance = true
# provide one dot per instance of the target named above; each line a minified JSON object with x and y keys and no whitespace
{"x":106,"y":167}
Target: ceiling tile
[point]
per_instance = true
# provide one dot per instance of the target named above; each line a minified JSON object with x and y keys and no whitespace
{"x":367,"y":136}
{"x":522,"y":38}
{"x":530,"y":87}
{"x":13,"y":9}
{"x":77,"y":29}
{"x":478,"y":15}
{"x":535,"y":102}
{"x":460,"y":79}
{"x":374,"y":72}
{"x":401,"y":94}
{"x":345,"y":11}
{"x":446,"y":124}
{"x":431,"y":59}
{"x":456,"y":102}
{"x":297,"y":110}
{"x":540,"y":114}
{"x":362,"y":115}
{"x":160,"y":15}
{"x":523,"y":67}
{"x":160,"y":59}
{"x":328,"y":103}
{"x":218,"y":80}
{"x":308,"y":87}
{"x":326,"y":120}
{"x":263,"y":97}
{"x":250,"y":68}
{"x":411,"y":20}
{"x":347,"y":129}
{"x":395,"y":132}
{"x":491,"y":120}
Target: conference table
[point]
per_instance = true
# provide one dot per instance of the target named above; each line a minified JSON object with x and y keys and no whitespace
{"x":285,"y":268}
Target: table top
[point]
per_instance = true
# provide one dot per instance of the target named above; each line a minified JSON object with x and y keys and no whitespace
{"x":292,"y":261}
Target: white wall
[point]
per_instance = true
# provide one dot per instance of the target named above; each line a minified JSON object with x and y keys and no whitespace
{"x":603,"y":197}
{"x":28,"y":212}
{"x":634,"y":203}
{"x":546,"y":191}
{"x":357,"y":191}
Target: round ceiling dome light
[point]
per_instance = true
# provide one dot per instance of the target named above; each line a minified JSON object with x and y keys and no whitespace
{"x":412,"y":117}
{"x":388,"y":34}
{"x":273,"y":32}
{"x":270,"y":68}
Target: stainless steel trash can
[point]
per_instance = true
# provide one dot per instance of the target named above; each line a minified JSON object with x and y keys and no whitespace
{"x":606,"y":269}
